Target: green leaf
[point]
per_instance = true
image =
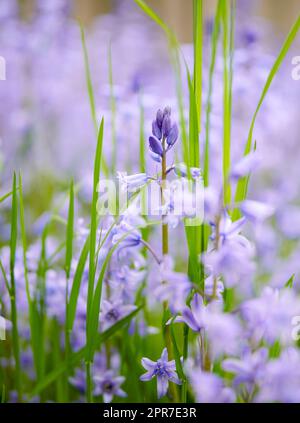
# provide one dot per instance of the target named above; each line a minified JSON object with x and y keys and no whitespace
{"x":113,"y":112}
{"x":70,"y":232}
{"x":227,"y":22}
{"x":242,"y":186}
{"x":94,"y":219}
{"x":214,"y":45}
{"x":290,"y":282}
{"x":72,"y":306}
{"x":91,"y":91}
{"x":5,"y":196}
{"x":79,"y":355}
{"x":150,"y":12}
{"x":198,"y":45}
{"x":14,"y":225}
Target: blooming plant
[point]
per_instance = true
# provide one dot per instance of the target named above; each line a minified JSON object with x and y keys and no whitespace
{"x":208,"y":279}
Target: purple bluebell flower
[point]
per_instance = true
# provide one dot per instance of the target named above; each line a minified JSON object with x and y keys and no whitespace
{"x":281,"y":382}
{"x":269,"y":316}
{"x":133,"y":238}
{"x":172,"y":135}
{"x":112,"y":312}
{"x":108,"y":385}
{"x":248,"y":370}
{"x":227,"y":228}
{"x":173,"y":287}
{"x":132,"y":182}
{"x":163,"y":131}
{"x":233,"y":261}
{"x":155,"y":146}
{"x":181,"y":170}
{"x":209,"y":388}
{"x":223,"y":330}
{"x":245,"y":166}
{"x":256,"y":211}
{"x":163,"y":369}
{"x":194,"y":316}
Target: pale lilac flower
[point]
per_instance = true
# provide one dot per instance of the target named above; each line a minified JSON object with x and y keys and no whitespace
{"x":163,"y":369}
{"x":126,"y":235}
{"x":256,"y":211}
{"x":245,"y":166}
{"x":209,"y":388}
{"x":248,"y":370}
{"x":173,"y":287}
{"x":281,"y":381}
{"x":181,"y":170}
{"x":233,"y":261}
{"x":108,"y":385}
{"x":223,"y":330}
{"x":112,"y":312}
{"x":132,"y":182}
{"x":194,"y":316}
{"x":269,"y":316}
{"x":227,"y":228}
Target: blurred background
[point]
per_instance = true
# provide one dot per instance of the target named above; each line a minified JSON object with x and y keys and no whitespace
{"x":178,"y":13}
{"x":46,"y":129}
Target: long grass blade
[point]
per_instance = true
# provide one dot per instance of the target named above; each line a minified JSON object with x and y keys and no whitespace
{"x":242,"y":186}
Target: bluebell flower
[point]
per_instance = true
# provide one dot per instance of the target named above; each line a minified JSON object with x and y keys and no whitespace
{"x":163,"y":369}
{"x":245,"y":166}
{"x":269,"y":316}
{"x":281,"y":382}
{"x":108,"y":385}
{"x":209,"y":388}
{"x":256,"y":211}
{"x":111,"y":312}
{"x":163,"y":131}
{"x":249,"y":369}
{"x":132,"y":182}
{"x":181,"y":170}
{"x":223,"y":330}
{"x":173,"y":287}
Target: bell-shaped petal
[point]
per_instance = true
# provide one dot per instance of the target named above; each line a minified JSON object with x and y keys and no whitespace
{"x":155,"y":146}
{"x":173,"y":135}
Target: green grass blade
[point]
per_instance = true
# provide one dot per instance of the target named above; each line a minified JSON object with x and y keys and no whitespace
{"x":150,"y":12}
{"x":5,"y":196}
{"x":242,"y":186}
{"x":78,"y":356}
{"x":227,"y":98}
{"x":214,"y":46}
{"x":142,"y":137}
{"x":94,"y":218}
{"x":179,"y":367}
{"x":13,"y":300}
{"x":70,"y":232}
{"x":74,"y":294}
{"x":194,"y":147}
{"x":175,"y":60}
{"x":198,"y":43}
{"x":89,"y":80}
{"x":91,"y":92}
{"x":113,"y":112}
{"x":24,"y":240}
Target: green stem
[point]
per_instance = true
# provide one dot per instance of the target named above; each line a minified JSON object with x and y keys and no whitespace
{"x":89,"y":384}
{"x":165,"y":251}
